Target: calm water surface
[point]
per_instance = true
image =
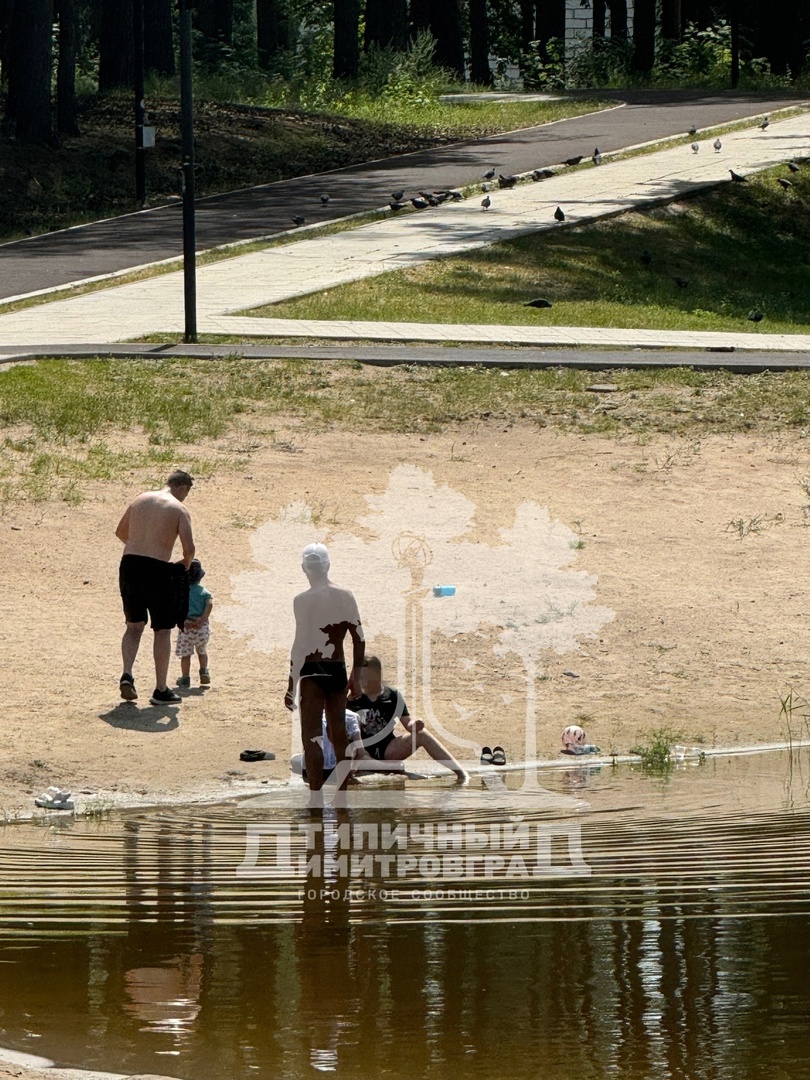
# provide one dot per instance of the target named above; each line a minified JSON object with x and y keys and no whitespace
{"x":625,"y":925}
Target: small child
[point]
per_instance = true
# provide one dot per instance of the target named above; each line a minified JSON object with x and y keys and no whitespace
{"x":196,"y":631}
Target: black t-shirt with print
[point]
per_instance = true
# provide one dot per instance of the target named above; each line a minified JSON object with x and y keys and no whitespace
{"x":378,"y":716}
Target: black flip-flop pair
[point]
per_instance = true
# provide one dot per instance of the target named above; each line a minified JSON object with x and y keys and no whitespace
{"x":257,"y":755}
{"x":496,"y":756}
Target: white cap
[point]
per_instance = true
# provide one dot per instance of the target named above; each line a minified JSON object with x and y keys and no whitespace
{"x":315,"y":555}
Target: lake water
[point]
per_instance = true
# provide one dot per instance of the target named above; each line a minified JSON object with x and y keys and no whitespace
{"x":625,"y":925}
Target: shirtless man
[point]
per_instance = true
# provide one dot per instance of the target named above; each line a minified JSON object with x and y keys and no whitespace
{"x":324,"y":614}
{"x":149,"y":580}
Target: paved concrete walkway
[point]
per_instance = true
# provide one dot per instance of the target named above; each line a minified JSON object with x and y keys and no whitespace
{"x":229,"y":287}
{"x":102,"y":247}
{"x":385,"y":354}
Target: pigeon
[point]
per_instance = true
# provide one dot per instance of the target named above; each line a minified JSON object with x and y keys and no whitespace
{"x":559,"y":215}
{"x":420,"y":204}
{"x":573,"y":160}
{"x":455,"y":194}
{"x":765,"y":122}
{"x":539,"y":303}
{"x":396,"y":205}
{"x":597,"y":157}
{"x":646,"y":258}
{"x":396,"y":196}
{"x":507,"y":181}
{"x":693,"y":131}
{"x":324,"y":199}
{"x":542,"y":174}
{"x":429,"y":198}
{"x":491,"y":174}
{"x":737,"y":179}
{"x":441,"y":196}
{"x":784,"y":184}
{"x":695,"y":147}
{"x":718,"y":146}
{"x":681,"y":283}
{"x":755,"y":316}
{"x":794,"y":168}
{"x":298,"y":220}
{"x":486,"y":202}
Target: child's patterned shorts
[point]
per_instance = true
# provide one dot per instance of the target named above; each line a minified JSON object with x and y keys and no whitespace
{"x":191,"y":641}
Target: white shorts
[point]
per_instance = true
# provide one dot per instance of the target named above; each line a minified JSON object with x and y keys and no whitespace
{"x":191,"y":641}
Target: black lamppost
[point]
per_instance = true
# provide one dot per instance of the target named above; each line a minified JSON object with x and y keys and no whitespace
{"x":187,"y":138}
{"x":140,"y":103}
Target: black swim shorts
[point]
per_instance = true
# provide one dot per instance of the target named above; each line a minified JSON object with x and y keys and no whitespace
{"x":153,"y":587}
{"x":329,"y":675}
{"x":378,"y":744}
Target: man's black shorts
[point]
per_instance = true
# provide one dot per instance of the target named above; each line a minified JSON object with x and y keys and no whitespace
{"x":328,"y":675}
{"x":153,"y":587}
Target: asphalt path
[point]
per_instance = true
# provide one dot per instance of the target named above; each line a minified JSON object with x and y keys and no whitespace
{"x":596,"y":360}
{"x":86,"y":251}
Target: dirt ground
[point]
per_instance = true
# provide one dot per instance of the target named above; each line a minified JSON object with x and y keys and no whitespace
{"x":695,"y":552}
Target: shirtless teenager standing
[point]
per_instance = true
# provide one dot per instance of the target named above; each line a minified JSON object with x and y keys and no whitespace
{"x":324,"y":614}
{"x":147,"y":577}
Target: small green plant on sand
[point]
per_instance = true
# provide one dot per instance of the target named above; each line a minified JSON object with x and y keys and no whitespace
{"x":796,"y":711}
{"x":656,"y":751}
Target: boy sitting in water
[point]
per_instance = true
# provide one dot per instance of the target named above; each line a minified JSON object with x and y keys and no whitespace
{"x":378,"y":708}
{"x":359,"y":756}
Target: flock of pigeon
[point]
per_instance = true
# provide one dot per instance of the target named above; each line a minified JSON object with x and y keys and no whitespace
{"x":424,"y":199}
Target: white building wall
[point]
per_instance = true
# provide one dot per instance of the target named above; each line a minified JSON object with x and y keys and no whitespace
{"x":579,"y":22}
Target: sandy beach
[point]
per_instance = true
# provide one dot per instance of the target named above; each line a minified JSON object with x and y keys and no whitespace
{"x":624,"y":585}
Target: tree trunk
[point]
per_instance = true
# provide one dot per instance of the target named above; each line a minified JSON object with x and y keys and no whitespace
{"x":527,"y":18}
{"x":346,"y":59}
{"x":480,"y":71}
{"x":598,"y":18}
{"x":644,"y":36}
{"x":779,"y":37}
{"x":420,"y":16}
{"x":214,"y":20}
{"x":158,"y":37}
{"x":445,"y":25}
{"x":273,"y":32}
{"x":618,"y":19}
{"x":30,"y":71}
{"x":550,"y":23}
{"x":386,"y":24}
{"x":116,"y":58}
{"x":670,"y":20}
{"x":67,"y":119}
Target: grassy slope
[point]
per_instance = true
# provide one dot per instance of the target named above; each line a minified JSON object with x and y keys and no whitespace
{"x":68,"y":422}
{"x":739,"y":247}
{"x":91,"y":176}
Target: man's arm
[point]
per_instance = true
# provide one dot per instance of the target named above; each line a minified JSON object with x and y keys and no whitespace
{"x":122,"y":532}
{"x":358,"y":649}
{"x":358,"y":655}
{"x":186,"y":539}
{"x":295,"y":654}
